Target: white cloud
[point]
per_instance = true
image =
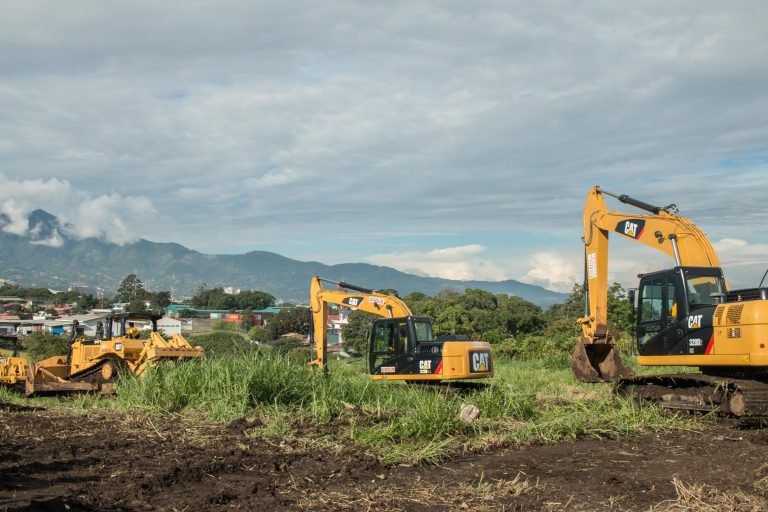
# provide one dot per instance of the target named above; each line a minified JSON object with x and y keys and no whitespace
{"x":737,"y":252}
{"x":55,"y":240}
{"x":552,"y":271}
{"x":80,"y":214}
{"x":461,"y":263}
{"x":272,"y":122}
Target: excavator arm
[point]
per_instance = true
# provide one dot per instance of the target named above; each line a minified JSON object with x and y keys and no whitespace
{"x":662,"y":228}
{"x":353,"y":297}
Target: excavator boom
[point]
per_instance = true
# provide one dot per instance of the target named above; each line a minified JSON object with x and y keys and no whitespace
{"x":362,"y":299}
{"x":595,"y":356}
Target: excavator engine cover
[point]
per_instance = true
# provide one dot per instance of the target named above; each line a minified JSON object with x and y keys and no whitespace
{"x":595,"y":362}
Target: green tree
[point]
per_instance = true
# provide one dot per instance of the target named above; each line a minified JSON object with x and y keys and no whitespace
{"x":253,"y":299}
{"x":136,"y":306}
{"x":85,"y":303}
{"x":520,"y":316}
{"x":621,"y":313}
{"x":356,"y":332}
{"x":41,"y":345}
{"x":246,"y":319}
{"x":160,"y":300}
{"x":130,"y":289}
{"x":291,"y":320}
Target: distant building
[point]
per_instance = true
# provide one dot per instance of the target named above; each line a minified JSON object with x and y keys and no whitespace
{"x":170,"y":326}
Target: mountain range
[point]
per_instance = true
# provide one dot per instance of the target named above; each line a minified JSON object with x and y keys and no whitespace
{"x":47,"y":257}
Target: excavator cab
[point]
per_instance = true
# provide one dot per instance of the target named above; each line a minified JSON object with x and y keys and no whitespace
{"x":394,"y":341}
{"x":675,"y":310}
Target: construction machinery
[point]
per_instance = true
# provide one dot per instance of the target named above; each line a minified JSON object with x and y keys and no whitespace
{"x":13,"y":368}
{"x":401,"y":346}
{"x":94,"y":365}
{"x":686,"y":316}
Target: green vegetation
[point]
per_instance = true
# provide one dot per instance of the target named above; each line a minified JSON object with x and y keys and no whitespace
{"x":517,"y":328}
{"x":216,"y":298}
{"x":39,"y":346}
{"x":222,"y":343}
{"x":133,"y":292}
{"x":534,"y":401}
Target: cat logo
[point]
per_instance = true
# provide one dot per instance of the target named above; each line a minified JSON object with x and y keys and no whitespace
{"x":425,"y":366}
{"x":480,"y":362}
{"x":694,"y":321}
{"x":632,"y":228}
{"x":352,"y":302}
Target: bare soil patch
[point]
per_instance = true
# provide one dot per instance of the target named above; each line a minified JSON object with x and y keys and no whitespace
{"x":52,"y":460}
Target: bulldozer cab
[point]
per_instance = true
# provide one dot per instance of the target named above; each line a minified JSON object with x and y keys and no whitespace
{"x":393,"y":343}
{"x":117,"y":324}
{"x":675,"y":310}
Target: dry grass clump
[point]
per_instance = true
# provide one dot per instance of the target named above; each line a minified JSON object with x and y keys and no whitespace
{"x":481,"y":496}
{"x":705,"y":498}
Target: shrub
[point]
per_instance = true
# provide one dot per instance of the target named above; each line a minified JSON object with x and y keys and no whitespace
{"x":219,"y":343}
{"x":259,"y":334}
{"x":299,"y":355}
{"x":285,"y":344}
{"x":40,"y":345}
{"x":221,"y":325}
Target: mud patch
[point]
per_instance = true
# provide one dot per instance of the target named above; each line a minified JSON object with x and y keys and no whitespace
{"x":52,"y":460}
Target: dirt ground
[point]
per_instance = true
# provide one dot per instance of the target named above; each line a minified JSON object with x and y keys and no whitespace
{"x":56,"y":461}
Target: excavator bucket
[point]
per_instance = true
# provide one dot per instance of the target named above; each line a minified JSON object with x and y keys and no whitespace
{"x":595,"y":362}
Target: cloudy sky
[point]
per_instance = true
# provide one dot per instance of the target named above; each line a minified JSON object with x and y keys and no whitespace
{"x":446,"y":138}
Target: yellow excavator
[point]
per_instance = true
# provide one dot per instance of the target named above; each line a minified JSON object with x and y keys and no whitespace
{"x":94,"y":365}
{"x":401,"y":346}
{"x":686,"y":316}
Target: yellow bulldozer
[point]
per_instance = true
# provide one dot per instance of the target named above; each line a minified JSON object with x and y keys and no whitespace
{"x":94,"y":365}
{"x":13,"y":369}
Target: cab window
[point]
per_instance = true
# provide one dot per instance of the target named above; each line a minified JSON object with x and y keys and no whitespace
{"x":701,"y":288}
{"x":423,"y":332}
{"x":384,"y":338}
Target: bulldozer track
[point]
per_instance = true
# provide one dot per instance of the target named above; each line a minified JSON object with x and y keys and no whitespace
{"x":92,"y":376}
{"x":731,"y":397}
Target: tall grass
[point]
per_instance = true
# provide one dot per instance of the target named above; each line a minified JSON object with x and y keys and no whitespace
{"x":527,"y":402}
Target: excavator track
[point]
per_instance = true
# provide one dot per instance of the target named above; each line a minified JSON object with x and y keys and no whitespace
{"x":732,"y":397}
{"x":460,"y":387}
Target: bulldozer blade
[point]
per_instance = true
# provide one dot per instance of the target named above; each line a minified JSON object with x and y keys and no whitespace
{"x":595,"y":362}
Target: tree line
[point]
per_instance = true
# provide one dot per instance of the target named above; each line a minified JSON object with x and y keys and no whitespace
{"x":513,"y":325}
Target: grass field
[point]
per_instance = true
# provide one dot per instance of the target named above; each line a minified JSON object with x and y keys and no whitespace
{"x":527,"y":402}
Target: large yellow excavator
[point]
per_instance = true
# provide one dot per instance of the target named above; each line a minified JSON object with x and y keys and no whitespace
{"x":402,"y":346}
{"x":686,"y":316}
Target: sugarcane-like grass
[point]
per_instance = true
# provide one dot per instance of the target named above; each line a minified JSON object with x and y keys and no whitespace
{"x":527,"y":402}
